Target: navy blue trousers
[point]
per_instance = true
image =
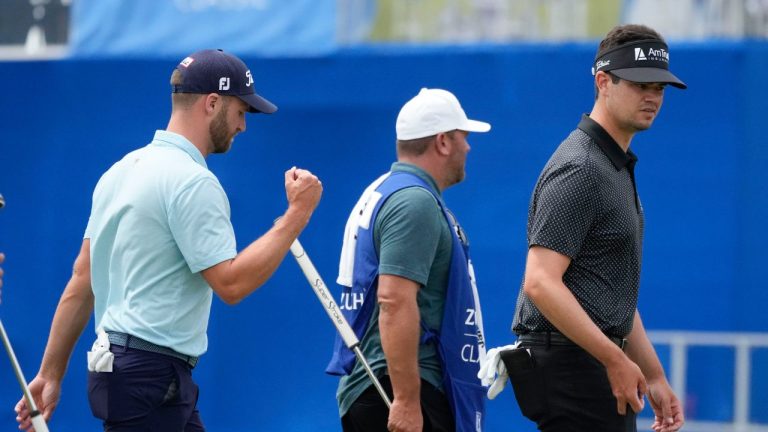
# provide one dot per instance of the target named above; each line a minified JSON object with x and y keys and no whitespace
{"x":145,"y":392}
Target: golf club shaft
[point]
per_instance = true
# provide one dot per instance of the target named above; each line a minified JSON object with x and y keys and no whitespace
{"x":334,"y":313}
{"x":375,"y":381}
{"x":37,"y":420}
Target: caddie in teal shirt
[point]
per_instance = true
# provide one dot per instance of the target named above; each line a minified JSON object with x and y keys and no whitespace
{"x":158,"y":244}
{"x":408,"y":289}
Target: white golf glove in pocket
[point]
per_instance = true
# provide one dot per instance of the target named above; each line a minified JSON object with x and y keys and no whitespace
{"x":493,"y":373}
{"x":99,"y":357}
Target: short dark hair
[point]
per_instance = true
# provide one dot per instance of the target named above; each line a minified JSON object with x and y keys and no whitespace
{"x":181,"y":100}
{"x":414,"y":147}
{"x":417,"y":146}
{"x":621,"y":35}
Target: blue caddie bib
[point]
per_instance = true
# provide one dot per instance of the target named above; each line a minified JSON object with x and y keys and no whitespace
{"x":460,"y":338}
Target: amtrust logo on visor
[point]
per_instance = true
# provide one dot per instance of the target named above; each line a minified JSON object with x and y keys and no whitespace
{"x":659,"y":54}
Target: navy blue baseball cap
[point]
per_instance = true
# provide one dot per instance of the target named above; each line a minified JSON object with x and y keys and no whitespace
{"x":214,"y":71}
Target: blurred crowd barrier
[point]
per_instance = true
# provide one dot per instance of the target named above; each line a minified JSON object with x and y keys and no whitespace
{"x":504,"y":21}
{"x":147,"y":28}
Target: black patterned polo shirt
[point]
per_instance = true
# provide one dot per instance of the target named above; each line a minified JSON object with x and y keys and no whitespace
{"x":585,"y":206}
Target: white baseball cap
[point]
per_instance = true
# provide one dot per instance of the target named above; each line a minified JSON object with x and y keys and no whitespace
{"x":431,"y":112}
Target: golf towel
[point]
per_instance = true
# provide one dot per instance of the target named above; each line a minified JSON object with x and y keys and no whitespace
{"x":359,"y":217}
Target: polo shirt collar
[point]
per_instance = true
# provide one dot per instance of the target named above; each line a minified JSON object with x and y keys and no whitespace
{"x":170,"y":139}
{"x":607,"y":144}
{"x":413,"y":169}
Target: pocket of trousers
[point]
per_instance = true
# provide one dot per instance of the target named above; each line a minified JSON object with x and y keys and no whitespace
{"x":528,"y":383}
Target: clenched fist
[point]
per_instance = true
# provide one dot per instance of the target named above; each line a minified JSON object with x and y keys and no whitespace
{"x":303,"y":190}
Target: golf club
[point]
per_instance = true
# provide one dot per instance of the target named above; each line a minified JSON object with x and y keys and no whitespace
{"x":334,"y":313}
{"x":37,"y":419}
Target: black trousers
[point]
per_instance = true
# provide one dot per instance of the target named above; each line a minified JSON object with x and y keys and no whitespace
{"x":565,"y":389}
{"x":369,"y":413}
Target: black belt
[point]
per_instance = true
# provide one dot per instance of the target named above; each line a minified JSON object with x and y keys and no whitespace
{"x":555,"y":338}
{"x":126,"y":340}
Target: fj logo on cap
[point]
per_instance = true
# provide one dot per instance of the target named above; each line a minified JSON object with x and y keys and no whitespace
{"x":187,"y":61}
{"x":224,"y":83}
{"x":639,"y":54}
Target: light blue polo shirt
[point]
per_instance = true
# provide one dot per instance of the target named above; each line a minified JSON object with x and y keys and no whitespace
{"x":159,"y":217}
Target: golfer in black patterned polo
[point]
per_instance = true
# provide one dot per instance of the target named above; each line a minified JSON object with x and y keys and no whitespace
{"x":590,"y":362}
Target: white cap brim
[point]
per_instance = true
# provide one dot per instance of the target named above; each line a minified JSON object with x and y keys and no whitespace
{"x":475,"y":126}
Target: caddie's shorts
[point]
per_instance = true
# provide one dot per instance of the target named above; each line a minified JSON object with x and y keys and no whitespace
{"x":147,"y":392}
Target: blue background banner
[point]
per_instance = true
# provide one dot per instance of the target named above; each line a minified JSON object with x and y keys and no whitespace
{"x":701,"y":176}
{"x":173,"y":28}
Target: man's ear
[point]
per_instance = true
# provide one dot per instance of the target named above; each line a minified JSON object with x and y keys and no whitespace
{"x":442,"y":144}
{"x":602,"y":80}
{"x":211,"y":101}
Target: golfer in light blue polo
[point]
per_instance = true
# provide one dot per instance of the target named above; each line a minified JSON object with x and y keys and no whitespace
{"x":158,"y":244}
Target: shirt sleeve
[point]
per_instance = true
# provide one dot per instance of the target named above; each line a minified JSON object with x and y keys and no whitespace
{"x":199,"y":218}
{"x":88,"y":234}
{"x":564,"y":209}
{"x":90,"y":228}
{"x":408,"y":226}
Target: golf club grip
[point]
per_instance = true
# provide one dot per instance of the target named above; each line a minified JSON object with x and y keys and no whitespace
{"x":325,"y":297}
{"x":39,"y":423}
